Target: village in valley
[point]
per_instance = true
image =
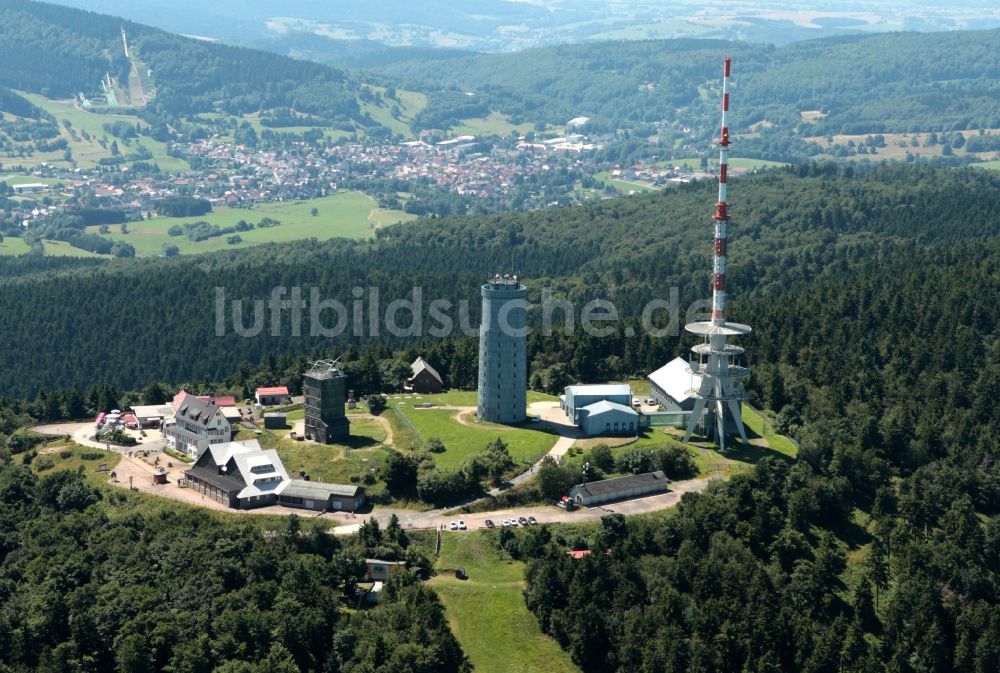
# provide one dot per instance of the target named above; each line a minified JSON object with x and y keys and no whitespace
{"x":240,"y":176}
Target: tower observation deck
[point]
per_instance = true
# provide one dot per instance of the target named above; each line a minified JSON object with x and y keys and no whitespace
{"x":713,"y":361}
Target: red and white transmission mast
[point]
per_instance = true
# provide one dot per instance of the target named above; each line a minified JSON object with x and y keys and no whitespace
{"x":717,"y":389}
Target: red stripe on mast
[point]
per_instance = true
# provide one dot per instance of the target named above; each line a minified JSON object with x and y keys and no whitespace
{"x":727,"y":61}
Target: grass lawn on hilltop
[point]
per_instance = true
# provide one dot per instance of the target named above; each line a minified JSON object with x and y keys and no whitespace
{"x":462,"y":398}
{"x":336,"y":463}
{"x":487,"y":612}
{"x":526,"y":442}
{"x":68,"y":455}
{"x":346,"y":214}
{"x":707,"y":459}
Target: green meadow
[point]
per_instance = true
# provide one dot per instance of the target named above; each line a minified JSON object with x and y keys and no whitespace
{"x":346,"y":214}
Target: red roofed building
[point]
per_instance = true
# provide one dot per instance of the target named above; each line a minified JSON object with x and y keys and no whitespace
{"x":267,"y":397}
{"x":578,"y":554}
{"x":217,"y":400}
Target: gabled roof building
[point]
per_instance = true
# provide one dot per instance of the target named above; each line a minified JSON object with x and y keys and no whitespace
{"x":424,"y":378}
{"x":241,"y":475}
{"x":197,"y":425}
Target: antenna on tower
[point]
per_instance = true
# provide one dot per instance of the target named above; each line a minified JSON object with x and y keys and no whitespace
{"x":712,"y":365}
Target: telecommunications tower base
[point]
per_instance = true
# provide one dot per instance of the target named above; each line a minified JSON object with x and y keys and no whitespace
{"x":720,"y":391}
{"x":503,"y":351}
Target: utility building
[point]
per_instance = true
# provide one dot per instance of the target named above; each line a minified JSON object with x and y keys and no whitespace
{"x":503,"y":351}
{"x":577,"y":397}
{"x":608,"y":418}
{"x":325,"y":390}
{"x":620,"y":488}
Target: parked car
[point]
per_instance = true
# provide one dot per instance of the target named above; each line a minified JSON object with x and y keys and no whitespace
{"x":522,"y":521}
{"x":461,"y":524}
{"x":532,"y":520}
{"x":453,"y":525}
{"x":490,"y":524}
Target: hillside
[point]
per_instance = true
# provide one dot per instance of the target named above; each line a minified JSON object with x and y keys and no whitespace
{"x":859,"y":84}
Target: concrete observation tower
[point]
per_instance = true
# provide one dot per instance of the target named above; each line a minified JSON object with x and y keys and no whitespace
{"x":720,"y":390}
{"x":503,"y":351}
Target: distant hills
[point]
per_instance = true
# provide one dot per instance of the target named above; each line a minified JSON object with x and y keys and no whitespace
{"x":60,"y":53}
{"x":863,"y":84}
{"x":503,"y":25}
{"x":899,"y":82}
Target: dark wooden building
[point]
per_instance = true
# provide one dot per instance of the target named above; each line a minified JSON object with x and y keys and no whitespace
{"x":424,"y":378}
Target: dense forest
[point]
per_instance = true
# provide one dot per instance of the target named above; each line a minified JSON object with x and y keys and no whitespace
{"x":899,"y":82}
{"x":819,"y":238}
{"x":86,"y":578}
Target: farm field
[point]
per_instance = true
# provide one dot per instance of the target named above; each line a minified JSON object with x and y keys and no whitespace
{"x":487,"y":613}
{"x":17,"y":246}
{"x":494,"y":124}
{"x":734,"y":162}
{"x":346,"y":214}
{"x":12,"y":180}
{"x":623,"y":185}
{"x":898,"y":145}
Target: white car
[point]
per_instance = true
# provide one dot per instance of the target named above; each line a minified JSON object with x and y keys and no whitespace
{"x":461,"y":524}
{"x":453,"y":526}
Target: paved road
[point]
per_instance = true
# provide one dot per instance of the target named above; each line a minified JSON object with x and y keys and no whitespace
{"x":81,"y":433}
{"x":141,"y":479}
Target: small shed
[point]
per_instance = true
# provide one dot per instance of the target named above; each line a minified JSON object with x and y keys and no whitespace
{"x":621,"y":488}
{"x":160,"y":477}
{"x":275,"y":421}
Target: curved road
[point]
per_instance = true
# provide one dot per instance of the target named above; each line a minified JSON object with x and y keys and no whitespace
{"x":138,"y":473}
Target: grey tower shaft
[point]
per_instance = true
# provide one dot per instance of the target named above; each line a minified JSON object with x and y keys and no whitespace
{"x":503,"y":351}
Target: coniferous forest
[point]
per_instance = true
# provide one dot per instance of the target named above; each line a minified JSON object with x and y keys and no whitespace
{"x":92,"y":585}
{"x":873,"y":298}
